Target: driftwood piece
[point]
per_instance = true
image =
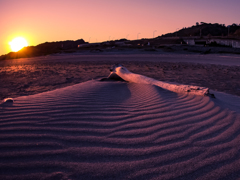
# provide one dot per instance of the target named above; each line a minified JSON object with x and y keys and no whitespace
{"x":126,"y":75}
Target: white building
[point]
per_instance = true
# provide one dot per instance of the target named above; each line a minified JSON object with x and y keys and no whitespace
{"x":226,"y":42}
{"x":189,"y":41}
{"x":235,"y":43}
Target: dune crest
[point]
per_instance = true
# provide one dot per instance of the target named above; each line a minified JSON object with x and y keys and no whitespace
{"x":126,"y":75}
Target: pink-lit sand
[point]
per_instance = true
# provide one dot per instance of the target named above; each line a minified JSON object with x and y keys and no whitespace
{"x":120,"y":130}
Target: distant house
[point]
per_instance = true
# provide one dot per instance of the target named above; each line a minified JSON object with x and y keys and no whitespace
{"x":226,"y":42}
{"x":88,"y":45}
{"x":189,"y":41}
{"x":235,"y":43}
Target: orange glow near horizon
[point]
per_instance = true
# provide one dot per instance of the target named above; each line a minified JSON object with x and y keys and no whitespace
{"x":94,"y":20}
{"x":18,"y":43}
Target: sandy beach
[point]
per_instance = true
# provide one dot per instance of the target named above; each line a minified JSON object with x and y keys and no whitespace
{"x":65,"y":123}
{"x":34,"y":75}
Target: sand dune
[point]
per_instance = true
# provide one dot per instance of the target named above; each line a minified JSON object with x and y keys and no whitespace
{"x":119,"y":130}
{"x":36,"y":75}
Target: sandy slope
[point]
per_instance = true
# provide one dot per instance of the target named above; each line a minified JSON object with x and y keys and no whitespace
{"x":34,"y":75}
{"x":119,"y":130}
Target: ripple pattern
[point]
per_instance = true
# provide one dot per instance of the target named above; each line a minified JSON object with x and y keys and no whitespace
{"x":117,"y":130}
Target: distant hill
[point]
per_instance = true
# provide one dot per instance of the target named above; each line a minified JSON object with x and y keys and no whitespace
{"x":200,"y":29}
{"x":207,"y":29}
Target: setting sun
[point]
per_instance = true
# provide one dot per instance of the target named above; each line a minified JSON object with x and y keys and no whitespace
{"x":18,"y":43}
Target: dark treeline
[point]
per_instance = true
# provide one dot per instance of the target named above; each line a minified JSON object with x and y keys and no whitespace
{"x":207,"y":29}
{"x":43,"y":49}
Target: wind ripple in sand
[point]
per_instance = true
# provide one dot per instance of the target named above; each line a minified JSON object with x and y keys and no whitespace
{"x":118,"y":130}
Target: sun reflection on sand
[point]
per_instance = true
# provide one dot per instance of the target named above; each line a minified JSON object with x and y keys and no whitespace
{"x":25,"y":68}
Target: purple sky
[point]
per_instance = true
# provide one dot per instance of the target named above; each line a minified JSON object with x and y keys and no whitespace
{"x":100,"y":20}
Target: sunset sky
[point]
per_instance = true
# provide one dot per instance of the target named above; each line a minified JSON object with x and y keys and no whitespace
{"x":100,"y":20}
